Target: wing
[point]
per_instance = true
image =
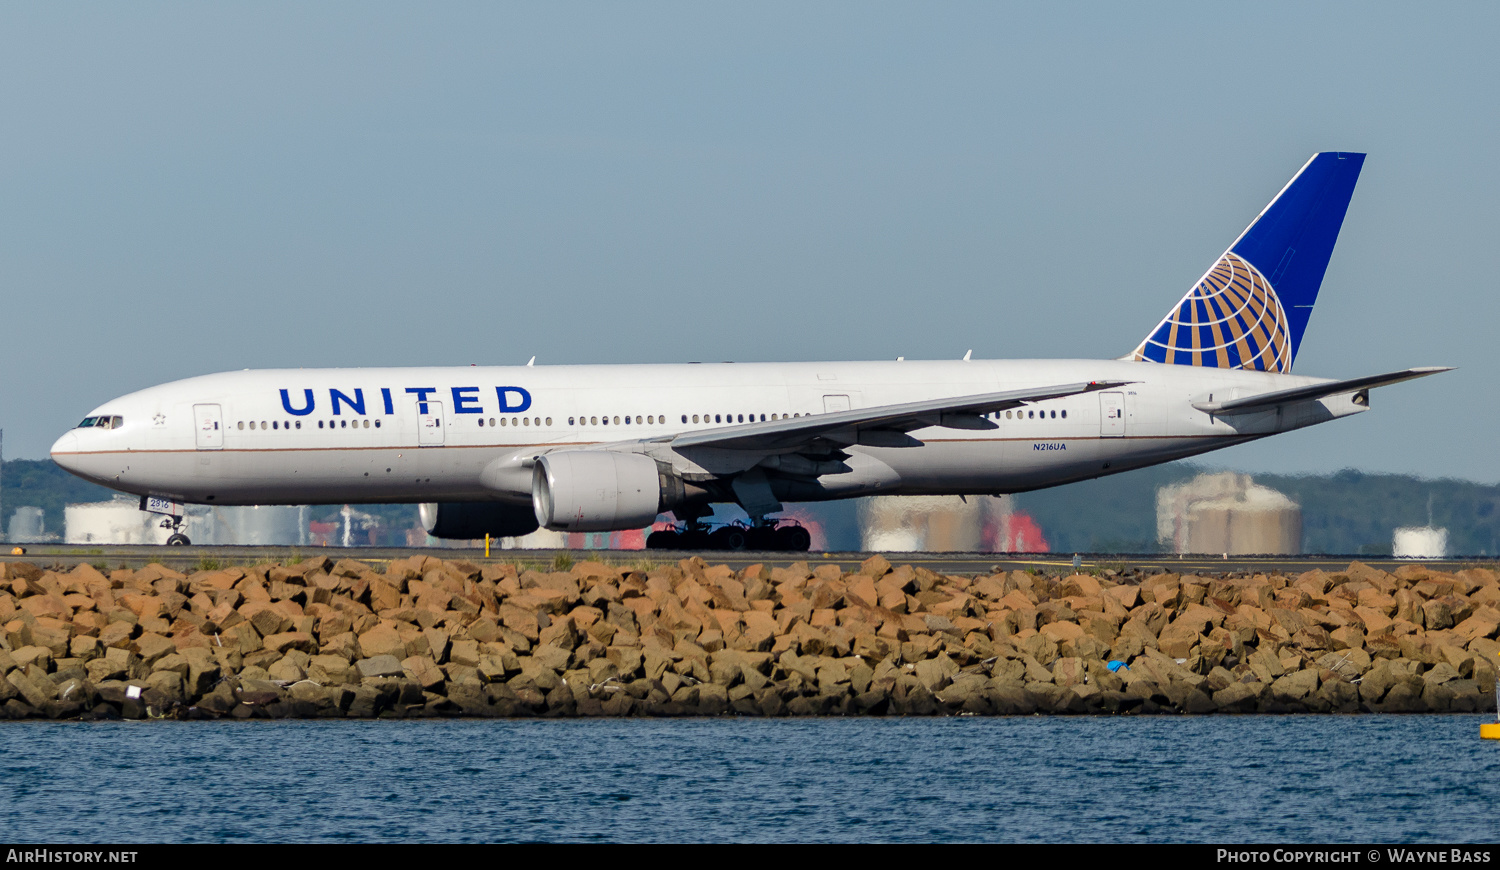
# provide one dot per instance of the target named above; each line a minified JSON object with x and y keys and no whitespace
{"x":1266,"y":401}
{"x":880,"y":426}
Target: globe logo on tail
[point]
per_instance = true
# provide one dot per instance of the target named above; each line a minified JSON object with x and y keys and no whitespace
{"x":1231,"y":319}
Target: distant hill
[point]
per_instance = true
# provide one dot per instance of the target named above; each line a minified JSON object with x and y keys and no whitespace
{"x":41,"y":483}
{"x":1345,"y":513}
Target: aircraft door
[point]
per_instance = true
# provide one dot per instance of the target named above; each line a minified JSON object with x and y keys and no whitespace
{"x":208,"y":426}
{"x":430,"y":424}
{"x":1111,"y":414}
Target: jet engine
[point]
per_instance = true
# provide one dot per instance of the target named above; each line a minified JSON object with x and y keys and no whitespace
{"x":470,"y":520}
{"x":598,"y":491}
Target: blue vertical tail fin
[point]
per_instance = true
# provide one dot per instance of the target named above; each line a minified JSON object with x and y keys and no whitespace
{"x":1250,"y":310}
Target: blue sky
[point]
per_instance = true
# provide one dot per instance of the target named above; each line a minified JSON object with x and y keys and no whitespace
{"x":190,"y":188}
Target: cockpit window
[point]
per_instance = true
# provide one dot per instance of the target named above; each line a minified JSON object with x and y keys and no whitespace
{"x":102,"y":422}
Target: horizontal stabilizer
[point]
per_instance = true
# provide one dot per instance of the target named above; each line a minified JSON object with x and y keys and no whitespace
{"x":1267,"y":401}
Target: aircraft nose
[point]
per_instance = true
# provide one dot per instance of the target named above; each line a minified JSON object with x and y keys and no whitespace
{"x":65,"y":450}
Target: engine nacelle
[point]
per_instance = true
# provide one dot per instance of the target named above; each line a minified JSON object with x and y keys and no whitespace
{"x":470,"y":520}
{"x":595,"y":491}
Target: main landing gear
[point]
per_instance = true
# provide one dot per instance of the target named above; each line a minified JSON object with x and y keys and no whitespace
{"x":782,"y":535}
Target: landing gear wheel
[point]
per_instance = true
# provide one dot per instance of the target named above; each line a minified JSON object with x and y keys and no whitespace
{"x":728,"y":538}
{"x":178,"y":539}
{"x":793,"y":538}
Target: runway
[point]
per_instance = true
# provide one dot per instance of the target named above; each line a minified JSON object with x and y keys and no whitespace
{"x":197,"y":558}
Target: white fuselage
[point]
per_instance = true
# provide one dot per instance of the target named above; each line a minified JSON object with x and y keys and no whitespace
{"x":360,"y":435}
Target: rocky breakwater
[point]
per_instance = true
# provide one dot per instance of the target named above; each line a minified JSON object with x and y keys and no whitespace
{"x":428,"y":637}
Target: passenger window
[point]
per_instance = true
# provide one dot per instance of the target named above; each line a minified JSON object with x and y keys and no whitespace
{"x":481,"y":422}
{"x":504,"y":421}
{"x":525,"y":421}
{"x":1065,"y":414}
{"x":343,"y":424}
{"x":549,"y":421}
{"x":627,"y":419}
{"x":275,"y":425}
{"x":377,"y":424}
{"x":638,"y":419}
{"x":718,"y":418}
{"x":299,"y":423}
{"x":367,"y":424}
{"x":695,"y":418}
{"x":242,"y":424}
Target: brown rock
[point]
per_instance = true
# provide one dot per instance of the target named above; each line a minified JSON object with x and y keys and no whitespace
{"x":1476,"y":627}
{"x":286,"y":670}
{"x":266,"y":619}
{"x":1295,"y":686}
{"x":1068,"y":671}
{"x":382,"y":640}
{"x":1081,"y":585}
{"x":1178,"y":640}
{"x":28,"y":689}
{"x":281,"y":643}
{"x":151,"y":647}
{"x":1238,"y":697}
{"x":520,"y":620}
{"x":466,"y":653}
{"x":116,"y":634}
{"x":424,"y":671}
{"x":331,"y":670}
{"x":1128,"y":597}
{"x":1062,"y":631}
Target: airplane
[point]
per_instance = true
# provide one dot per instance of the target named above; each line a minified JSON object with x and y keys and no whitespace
{"x":502,"y":451}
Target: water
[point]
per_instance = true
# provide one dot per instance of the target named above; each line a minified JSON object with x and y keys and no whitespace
{"x":1272,"y":779}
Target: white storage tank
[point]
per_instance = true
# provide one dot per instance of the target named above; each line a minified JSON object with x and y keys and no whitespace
{"x":1420,"y":542}
{"x":118,"y":521}
{"x":27,"y":525}
{"x":259,"y":526}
